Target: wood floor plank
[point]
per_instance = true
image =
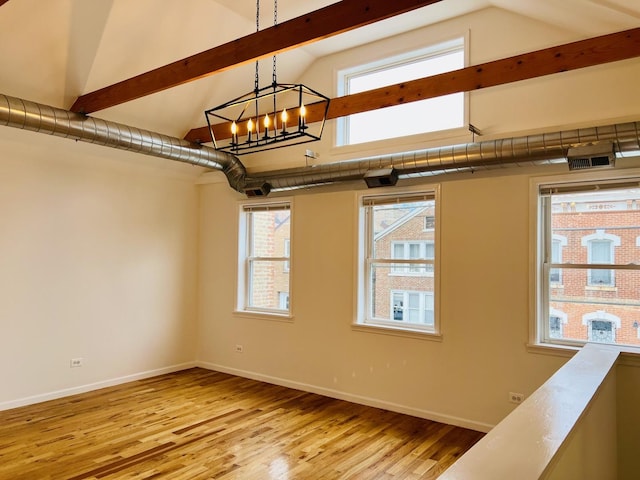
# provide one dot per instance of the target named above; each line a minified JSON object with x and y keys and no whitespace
{"x":197,"y":424}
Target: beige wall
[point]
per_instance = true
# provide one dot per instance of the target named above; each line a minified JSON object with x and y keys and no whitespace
{"x":97,"y":260}
{"x":628,"y":399}
{"x":485,"y":241}
{"x":590,"y":451}
{"x":484,"y":306}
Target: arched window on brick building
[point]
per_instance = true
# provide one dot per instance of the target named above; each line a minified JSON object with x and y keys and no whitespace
{"x":602,"y":326}
{"x":557,"y":318}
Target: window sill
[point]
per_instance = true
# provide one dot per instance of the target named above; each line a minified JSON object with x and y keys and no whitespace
{"x":409,"y":274}
{"x":601,"y":288}
{"x":276,"y":317}
{"x":630,"y":355}
{"x":405,"y":332}
{"x":552,"y":349}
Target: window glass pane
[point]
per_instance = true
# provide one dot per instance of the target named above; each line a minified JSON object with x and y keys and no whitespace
{"x":398,"y":250}
{"x":600,"y":277}
{"x":555,"y":258}
{"x":555,"y":327}
{"x":600,"y":251}
{"x":429,"y":115}
{"x":399,"y":287}
{"x":396,"y":227}
{"x":268,"y":284}
{"x":597,"y":304}
{"x":413,"y":70}
{"x":429,"y":250}
{"x":414,"y":307}
{"x":398,"y":306}
{"x":264,"y":257}
{"x":269,"y":231}
{"x":428,"y":309}
{"x":387,"y":303}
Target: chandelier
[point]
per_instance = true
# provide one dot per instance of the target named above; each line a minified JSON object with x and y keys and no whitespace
{"x":273,"y":116}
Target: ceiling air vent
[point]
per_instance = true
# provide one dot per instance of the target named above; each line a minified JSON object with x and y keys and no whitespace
{"x":258,"y":190}
{"x":591,"y":156}
{"x":384,"y":177}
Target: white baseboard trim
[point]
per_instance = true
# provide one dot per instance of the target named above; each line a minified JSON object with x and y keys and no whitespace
{"x":368,"y":401}
{"x":21,"y":402}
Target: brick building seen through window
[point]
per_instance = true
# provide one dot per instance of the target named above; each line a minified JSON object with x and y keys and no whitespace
{"x":595,"y":304}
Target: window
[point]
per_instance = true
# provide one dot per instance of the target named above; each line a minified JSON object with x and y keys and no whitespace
{"x":412,"y":250}
{"x":555,"y":327}
{"x":413,"y":307}
{"x":429,"y":222}
{"x":557,"y":319}
{"x":263,"y":285}
{"x":398,"y":274}
{"x":557,"y":242}
{"x":287,"y":248}
{"x":602,"y":326}
{"x":283,"y":300}
{"x":588,"y":270}
{"x":430,"y":115}
{"x":600,"y":250}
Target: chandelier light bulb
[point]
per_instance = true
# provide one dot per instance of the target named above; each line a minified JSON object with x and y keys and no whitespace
{"x":234,"y":133}
{"x":303,"y":114}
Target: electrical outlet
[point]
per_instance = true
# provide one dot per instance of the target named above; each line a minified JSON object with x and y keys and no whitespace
{"x":516,"y":397}
{"x":75,"y":362}
{"x":239,"y":348}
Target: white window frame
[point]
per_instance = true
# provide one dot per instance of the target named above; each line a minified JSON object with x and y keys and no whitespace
{"x":539,"y":340}
{"x":363,"y":306}
{"x":245,"y":259}
{"x":438,"y":48}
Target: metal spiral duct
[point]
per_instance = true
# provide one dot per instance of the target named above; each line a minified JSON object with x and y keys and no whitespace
{"x":26,"y":115}
{"x":536,"y":149}
{"x":539,"y":149}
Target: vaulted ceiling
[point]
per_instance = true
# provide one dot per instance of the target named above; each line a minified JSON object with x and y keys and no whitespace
{"x":93,"y":56}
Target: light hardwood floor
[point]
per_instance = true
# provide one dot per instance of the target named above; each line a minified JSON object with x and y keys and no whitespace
{"x":198,"y":424}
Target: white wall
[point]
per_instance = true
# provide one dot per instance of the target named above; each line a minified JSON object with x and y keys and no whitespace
{"x":97,"y":260}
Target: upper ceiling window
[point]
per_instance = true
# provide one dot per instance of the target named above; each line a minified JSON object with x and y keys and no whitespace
{"x":431,"y":115}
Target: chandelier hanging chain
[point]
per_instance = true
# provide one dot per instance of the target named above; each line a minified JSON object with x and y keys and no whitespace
{"x":257,"y":78}
{"x":268,"y":117}
{"x":275,"y":23}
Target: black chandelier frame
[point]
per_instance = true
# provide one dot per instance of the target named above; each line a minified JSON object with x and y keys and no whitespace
{"x":251,"y":109}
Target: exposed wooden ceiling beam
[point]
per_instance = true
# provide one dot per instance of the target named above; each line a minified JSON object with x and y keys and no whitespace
{"x":562,"y":58}
{"x":329,"y":21}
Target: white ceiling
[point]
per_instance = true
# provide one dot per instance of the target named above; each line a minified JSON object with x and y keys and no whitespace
{"x":53,"y":51}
